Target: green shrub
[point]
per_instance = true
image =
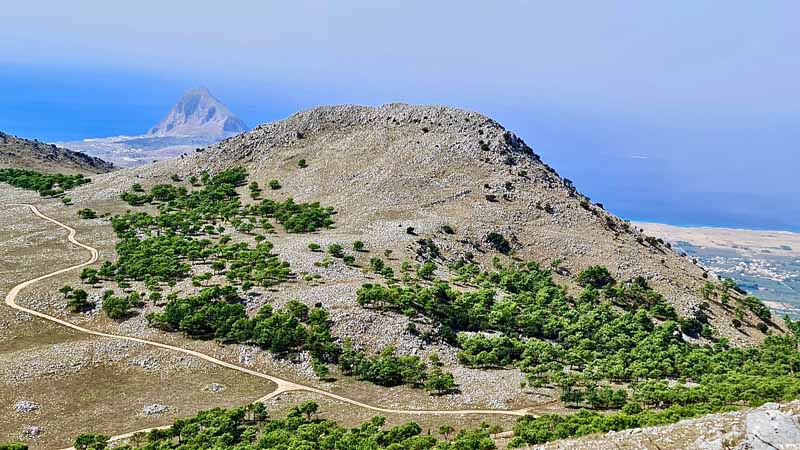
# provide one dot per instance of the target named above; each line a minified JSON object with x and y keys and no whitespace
{"x":78,"y":301}
{"x":14,"y":446}
{"x":120,"y":308}
{"x":426,"y":270}
{"x":86,"y":213}
{"x":439,"y":382}
{"x":218,"y":313}
{"x":336,"y":250}
{"x":499,"y":242}
{"x":597,"y":277}
{"x":91,"y":442}
{"x":386,"y":369}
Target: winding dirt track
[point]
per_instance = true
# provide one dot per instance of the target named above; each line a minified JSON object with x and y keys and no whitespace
{"x":283,"y":385}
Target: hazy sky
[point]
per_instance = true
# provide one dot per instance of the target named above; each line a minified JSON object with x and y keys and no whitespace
{"x":681,"y":111}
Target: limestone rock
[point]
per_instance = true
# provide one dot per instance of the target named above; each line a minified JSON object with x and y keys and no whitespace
{"x":154,"y":409}
{"x":26,"y":406}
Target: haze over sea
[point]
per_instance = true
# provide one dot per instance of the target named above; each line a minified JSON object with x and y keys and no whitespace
{"x":690,"y":128}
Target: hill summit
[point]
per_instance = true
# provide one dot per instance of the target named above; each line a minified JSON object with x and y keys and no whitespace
{"x":198,"y":113}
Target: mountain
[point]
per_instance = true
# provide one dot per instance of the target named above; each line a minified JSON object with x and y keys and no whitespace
{"x":198,"y":113}
{"x":196,"y":120}
{"x":31,"y":154}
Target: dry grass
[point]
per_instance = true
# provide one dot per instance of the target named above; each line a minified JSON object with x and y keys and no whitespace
{"x":109,"y":398}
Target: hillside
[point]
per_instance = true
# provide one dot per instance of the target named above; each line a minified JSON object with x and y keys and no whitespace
{"x":24,"y":153}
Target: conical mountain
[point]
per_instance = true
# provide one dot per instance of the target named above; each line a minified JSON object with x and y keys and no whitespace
{"x":198,"y":113}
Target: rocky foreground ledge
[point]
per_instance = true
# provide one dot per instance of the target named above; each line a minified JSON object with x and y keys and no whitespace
{"x":770,"y":427}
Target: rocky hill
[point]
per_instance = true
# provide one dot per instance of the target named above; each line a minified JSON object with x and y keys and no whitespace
{"x":399,"y":167}
{"x":24,"y":153}
{"x":198,"y":113}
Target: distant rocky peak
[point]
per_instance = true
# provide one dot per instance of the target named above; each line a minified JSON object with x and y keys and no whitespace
{"x":199,"y":113}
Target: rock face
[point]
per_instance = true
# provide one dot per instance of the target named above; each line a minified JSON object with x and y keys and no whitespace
{"x":29,"y":154}
{"x":198,"y":113}
{"x":769,"y":428}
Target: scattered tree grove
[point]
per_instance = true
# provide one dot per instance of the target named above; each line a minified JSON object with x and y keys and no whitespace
{"x":251,"y":428}
{"x":620,"y":333}
{"x":46,"y":184}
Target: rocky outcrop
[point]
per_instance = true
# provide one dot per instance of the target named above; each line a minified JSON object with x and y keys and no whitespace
{"x":215,"y":388}
{"x":26,"y":406}
{"x":154,"y":409}
{"x":32,"y":431}
{"x":770,"y":427}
